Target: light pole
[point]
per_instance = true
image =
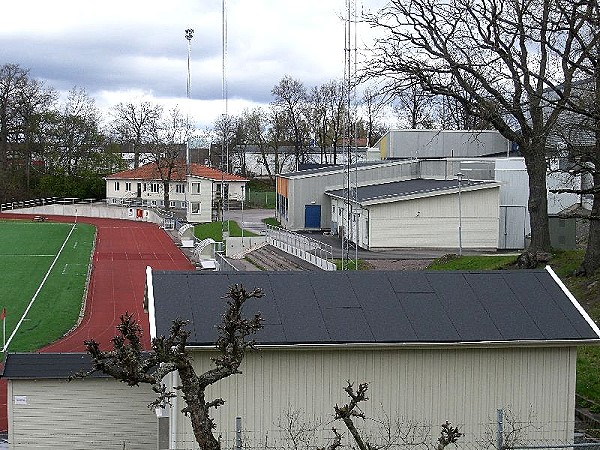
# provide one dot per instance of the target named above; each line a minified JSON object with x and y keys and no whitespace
{"x":459,"y":176}
{"x":189,"y":34}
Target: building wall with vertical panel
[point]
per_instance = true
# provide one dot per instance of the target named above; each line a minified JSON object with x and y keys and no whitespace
{"x":419,"y":386}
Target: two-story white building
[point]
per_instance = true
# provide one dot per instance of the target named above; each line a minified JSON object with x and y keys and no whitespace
{"x":195,"y":193}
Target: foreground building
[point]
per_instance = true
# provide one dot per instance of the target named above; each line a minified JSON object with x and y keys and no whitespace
{"x":433,"y":346}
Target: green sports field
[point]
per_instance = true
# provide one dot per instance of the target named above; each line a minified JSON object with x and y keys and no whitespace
{"x":27,"y":252}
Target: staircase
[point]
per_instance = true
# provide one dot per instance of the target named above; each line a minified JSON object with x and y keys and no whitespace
{"x":270,"y":258}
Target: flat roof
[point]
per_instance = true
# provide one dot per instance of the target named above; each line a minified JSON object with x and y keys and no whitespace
{"x":410,"y":188}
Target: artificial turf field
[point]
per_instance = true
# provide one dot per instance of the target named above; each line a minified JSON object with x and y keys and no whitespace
{"x":27,"y":252}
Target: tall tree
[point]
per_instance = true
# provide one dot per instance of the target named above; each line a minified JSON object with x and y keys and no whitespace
{"x":579,"y":131}
{"x":168,"y":138}
{"x":128,"y":362}
{"x":493,"y":57}
{"x":290,"y":97}
{"x":133,"y":125}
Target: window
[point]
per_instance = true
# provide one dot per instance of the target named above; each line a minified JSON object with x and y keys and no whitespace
{"x":180,"y":188}
{"x":128,"y":187}
{"x":195,"y":206}
{"x":117,"y":186}
{"x":155,"y":187}
{"x":153,"y":203}
{"x":183,"y":205}
{"x":332,"y":209}
{"x":195,"y":188}
{"x":172,"y":203}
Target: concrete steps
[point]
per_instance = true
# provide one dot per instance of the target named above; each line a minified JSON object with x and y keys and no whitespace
{"x":271,"y":258}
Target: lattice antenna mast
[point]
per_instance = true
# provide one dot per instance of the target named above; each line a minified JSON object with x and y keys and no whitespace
{"x":225,"y":144}
{"x":350,"y":141}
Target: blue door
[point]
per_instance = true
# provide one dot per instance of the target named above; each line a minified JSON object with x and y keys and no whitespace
{"x":312,"y":216}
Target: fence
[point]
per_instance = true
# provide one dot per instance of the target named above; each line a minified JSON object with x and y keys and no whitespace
{"x":261,"y":199}
{"x":294,"y":432}
{"x":303,"y":247}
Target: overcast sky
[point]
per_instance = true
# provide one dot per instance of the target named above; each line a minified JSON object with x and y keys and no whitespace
{"x":132,"y":50}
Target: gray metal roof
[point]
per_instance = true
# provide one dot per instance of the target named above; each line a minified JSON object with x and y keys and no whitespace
{"x":46,"y":365}
{"x":409,"y":188}
{"x":337,"y":168}
{"x":379,"y":307}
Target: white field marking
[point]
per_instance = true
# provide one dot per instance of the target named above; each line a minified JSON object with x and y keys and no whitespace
{"x":65,"y":269}
{"x":38,"y":290}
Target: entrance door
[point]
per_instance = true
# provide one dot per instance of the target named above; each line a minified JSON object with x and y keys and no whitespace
{"x":139,"y":190}
{"x":312,"y":216}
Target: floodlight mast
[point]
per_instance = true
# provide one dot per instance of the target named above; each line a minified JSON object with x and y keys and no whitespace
{"x":189,"y":34}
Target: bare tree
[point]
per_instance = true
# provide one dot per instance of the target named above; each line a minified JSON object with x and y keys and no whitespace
{"x":128,"y":362}
{"x":133,"y":124}
{"x":373,"y":103}
{"x":493,"y":58}
{"x":415,"y":107}
{"x":290,"y":98}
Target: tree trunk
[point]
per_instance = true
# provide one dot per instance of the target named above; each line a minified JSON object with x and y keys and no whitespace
{"x":535,"y":162}
{"x":591,"y":260}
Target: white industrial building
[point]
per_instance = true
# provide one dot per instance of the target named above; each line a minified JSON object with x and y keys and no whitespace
{"x":304,"y":202}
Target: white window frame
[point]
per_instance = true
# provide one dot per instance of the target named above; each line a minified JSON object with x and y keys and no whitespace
{"x":127,"y":186}
{"x":195,"y":207}
{"x":196,"y":188}
{"x":172,"y":203}
{"x":155,"y":188}
{"x":117,"y":186}
{"x":180,"y":188}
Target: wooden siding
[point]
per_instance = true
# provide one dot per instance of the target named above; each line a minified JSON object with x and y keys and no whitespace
{"x":426,"y":386}
{"x":433,"y":221}
{"x":81,"y":414}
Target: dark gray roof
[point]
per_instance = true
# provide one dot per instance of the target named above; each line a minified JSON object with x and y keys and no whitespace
{"x":46,"y":365}
{"x":399,"y":189}
{"x":378,"y":307}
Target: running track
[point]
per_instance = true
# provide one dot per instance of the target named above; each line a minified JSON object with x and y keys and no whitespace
{"x":123,"y":250}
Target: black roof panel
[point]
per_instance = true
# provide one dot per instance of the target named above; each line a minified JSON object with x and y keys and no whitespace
{"x":376,"y":307}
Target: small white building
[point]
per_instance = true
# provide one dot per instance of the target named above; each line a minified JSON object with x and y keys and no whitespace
{"x":46,"y":410}
{"x":195,"y":194}
{"x":422,"y":213}
{"x":433,"y":346}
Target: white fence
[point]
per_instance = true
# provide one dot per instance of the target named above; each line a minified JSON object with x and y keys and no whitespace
{"x":303,"y":247}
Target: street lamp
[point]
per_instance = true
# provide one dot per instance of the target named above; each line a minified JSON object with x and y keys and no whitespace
{"x":459,"y":176}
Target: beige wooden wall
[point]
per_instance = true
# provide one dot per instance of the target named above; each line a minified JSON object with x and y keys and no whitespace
{"x":423,"y":386}
{"x":81,"y":414}
{"x":433,"y":221}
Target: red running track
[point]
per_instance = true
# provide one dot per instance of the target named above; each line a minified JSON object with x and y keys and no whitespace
{"x":122,"y":252}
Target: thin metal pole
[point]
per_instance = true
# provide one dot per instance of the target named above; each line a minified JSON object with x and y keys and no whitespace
{"x":459,"y":175}
{"x":500,"y":429}
{"x":238,"y":433}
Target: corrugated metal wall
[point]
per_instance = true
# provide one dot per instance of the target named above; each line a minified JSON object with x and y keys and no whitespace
{"x":426,"y":386}
{"x":81,"y":414}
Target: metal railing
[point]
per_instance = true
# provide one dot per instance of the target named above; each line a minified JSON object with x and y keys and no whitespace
{"x":303,"y":247}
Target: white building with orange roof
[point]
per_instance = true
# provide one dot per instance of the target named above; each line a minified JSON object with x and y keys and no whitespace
{"x":195,"y":194}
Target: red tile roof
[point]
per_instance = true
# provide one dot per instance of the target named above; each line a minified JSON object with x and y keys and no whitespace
{"x":150,"y":172}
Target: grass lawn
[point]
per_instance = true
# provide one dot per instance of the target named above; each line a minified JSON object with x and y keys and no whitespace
{"x":214,"y":230}
{"x":585,"y":289}
{"x":27,"y":251}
